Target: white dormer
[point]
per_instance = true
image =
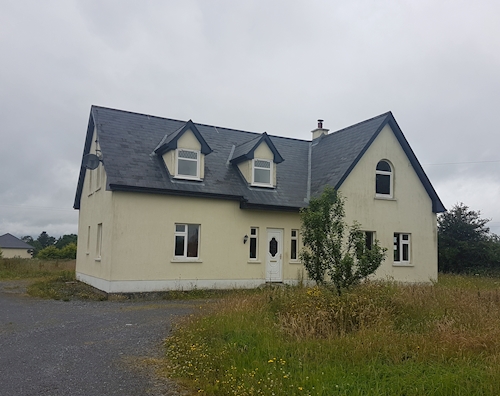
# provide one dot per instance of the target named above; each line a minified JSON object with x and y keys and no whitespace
{"x":257,"y":160}
{"x":183,"y":153}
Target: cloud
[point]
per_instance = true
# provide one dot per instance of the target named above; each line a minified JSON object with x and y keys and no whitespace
{"x":254,"y":65}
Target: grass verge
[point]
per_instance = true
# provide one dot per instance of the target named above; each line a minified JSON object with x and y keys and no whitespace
{"x":379,"y":339}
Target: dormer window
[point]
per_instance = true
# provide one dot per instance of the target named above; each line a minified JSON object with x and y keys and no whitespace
{"x":384,"y":180}
{"x":188,"y":164}
{"x":262,"y":173}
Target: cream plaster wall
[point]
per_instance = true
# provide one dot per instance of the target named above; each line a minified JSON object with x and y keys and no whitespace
{"x":409,"y":212}
{"x":96,"y":207}
{"x":143,"y":243}
{"x":11,"y":253}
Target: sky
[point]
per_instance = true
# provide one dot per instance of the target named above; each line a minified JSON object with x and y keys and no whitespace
{"x":257,"y":65}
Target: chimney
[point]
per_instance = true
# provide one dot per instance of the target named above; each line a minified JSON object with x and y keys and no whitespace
{"x":319,"y":130}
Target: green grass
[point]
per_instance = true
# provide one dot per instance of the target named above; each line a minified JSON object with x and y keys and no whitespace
{"x":54,"y":279}
{"x":379,"y":339}
{"x":18,"y":268}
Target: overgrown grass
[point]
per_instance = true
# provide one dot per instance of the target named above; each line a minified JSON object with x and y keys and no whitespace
{"x":18,"y":268}
{"x":379,"y":339}
{"x":54,"y":279}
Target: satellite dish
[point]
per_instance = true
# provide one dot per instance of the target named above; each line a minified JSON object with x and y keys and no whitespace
{"x":90,"y":161}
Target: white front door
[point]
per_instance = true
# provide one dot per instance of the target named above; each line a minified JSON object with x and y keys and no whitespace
{"x":274,"y":249}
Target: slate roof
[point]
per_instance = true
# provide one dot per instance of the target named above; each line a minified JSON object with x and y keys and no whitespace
{"x":9,"y":241}
{"x":128,"y":142}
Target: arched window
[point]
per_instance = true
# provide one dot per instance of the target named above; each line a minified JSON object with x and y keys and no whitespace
{"x":384,"y":181}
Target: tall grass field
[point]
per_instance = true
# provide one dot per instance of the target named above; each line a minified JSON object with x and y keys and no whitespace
{"x":378,"y":339}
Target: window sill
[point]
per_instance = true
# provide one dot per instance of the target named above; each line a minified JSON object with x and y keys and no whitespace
{"x":98,"y":259}
{"x":294,"y":262}
{"x":180,"y":177}
{"x":186,"y":260}
{"x":385,"y":198}
{"x":254,"y":262}
{"x":262,"y":185}
{"x":402,"y":265}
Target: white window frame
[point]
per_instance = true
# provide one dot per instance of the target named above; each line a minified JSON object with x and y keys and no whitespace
{"x":185,"y":234}
{"x":391,"y":180}
{"x":271,"y":172}
{"x":255,"y":237}
{"x":197,"y":160}
{"x":398,"y":245}
{"x":296,"y":239}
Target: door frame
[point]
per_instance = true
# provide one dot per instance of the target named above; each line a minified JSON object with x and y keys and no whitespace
{"x":274,"y":266}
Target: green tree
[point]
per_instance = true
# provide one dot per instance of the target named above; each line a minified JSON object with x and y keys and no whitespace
{"x":49,"y":253}
{"x":464,"y":241}
{"x":46,"y":240}
{"x":334,"y":253}
{"x":36,"y":245}
{"x":66,"y":240}
{"x":68,"y":251}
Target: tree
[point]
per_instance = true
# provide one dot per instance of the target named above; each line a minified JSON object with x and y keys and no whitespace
{"x":464,"y":241}
{"x":36,"y":245}
{"x":331,"y":257}
{"x":46,"y":240}
{"x":66,"y":240}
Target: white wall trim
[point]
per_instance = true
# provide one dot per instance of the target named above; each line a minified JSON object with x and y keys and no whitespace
{"x":139,"y":286}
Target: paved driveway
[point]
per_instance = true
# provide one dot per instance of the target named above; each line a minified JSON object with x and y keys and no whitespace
{"x":81,"y":348}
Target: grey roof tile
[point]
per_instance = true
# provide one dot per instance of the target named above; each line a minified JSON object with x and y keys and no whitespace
{"x":9,"y":241}
{"x":128,"y":141}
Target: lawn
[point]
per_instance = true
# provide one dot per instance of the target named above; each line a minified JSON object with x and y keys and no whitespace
{"x":378,"y":339}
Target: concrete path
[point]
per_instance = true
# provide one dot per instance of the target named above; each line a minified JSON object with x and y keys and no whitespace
{"x":82,"y":348}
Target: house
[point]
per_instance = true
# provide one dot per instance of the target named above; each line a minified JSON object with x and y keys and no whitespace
{"x":14,"y":247}
{"x":167,"y":204}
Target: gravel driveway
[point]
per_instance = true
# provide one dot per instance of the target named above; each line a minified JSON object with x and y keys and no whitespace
{"x":82,"y":348}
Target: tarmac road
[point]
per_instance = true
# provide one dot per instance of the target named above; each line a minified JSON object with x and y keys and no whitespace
{"x":82,"y":348}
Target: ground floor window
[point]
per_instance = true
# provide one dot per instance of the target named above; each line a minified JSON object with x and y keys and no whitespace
{"x":294,"y":245}
{"x":98,"y":249}
{"x":369,"y":239}
{"x":402,"y":248}
{"x":254,"y":237}
{"x":187,"y":240}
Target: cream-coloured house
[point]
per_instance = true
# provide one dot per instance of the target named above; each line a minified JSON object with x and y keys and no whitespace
{"x":14,"y":247}
{"x":179,"y":205}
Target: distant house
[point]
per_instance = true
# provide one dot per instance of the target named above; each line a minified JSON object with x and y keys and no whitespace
{"x":14,"y":247}
{"x":167,"y":204}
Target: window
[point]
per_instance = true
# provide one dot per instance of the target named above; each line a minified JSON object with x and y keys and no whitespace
{"x":369,"y":239}
{"x":88,"y":240}
{"x":402,"y":248}
{"x":98,"y":248}
{"x":186,"y":241}
{"x":294,"y":245}
{"x":262,"y":173}
{"x":254,"y":237}
{"x":188,"y":164}
{"x":383,"y":175}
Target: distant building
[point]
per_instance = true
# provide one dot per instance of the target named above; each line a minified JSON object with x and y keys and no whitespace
{"x":14,"y":247}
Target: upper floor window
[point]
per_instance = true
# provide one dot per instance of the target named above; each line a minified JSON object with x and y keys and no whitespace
{"x":384,"y":180}
{"x":188,"y":164}
{"x":262,"y":173}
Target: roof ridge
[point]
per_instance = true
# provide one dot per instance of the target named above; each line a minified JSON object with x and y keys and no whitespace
{"x":196,"y":123}
{"x":357,"y":124}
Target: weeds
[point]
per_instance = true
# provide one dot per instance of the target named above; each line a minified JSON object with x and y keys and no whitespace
{"x":378,"y":339}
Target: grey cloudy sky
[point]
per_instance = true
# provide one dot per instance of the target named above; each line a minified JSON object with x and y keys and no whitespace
{"x":274,"y":66}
